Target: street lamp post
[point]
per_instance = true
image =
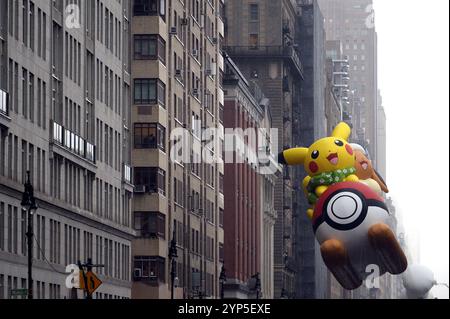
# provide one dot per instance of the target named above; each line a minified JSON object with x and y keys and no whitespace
{"x":222,"y":279}
{"x":29,"y":204}
{"x":257,"y":285}
{"x":172,"y":256}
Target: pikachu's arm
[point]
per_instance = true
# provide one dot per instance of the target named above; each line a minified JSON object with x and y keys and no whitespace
{"x":305,"y":184}
{"x":352,"y":178}
{"x":293,"y":156}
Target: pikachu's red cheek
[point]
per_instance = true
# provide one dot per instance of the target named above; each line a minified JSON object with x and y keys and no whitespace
{"x":313,"y":167}
{"x":349,"y":149}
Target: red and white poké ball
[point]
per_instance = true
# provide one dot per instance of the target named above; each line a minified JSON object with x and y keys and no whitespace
{"x":351,"y":224}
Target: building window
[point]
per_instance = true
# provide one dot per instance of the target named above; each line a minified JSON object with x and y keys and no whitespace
{"x":254,"y":12}
{"x":149,"y":8}
{"x":149,"y":135}
{"x":253,"y":40}
{"x":149,"y":47}
{"x":149,"y":91}
{"x":150,"y":268}
{"x":150,"y":224}
{"x":153,"y":179}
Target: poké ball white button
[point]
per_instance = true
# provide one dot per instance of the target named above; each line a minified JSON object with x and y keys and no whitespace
{"x":344,"y":208}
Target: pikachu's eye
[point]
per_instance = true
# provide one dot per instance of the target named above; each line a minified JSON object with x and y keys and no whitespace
{"x":315,"y":154}
{"x":339,"y":143}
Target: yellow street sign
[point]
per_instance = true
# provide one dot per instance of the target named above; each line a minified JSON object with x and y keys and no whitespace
{"x":92,"y":282}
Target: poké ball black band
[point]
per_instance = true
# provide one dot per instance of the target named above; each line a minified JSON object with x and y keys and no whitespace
{"x":324,"y":216}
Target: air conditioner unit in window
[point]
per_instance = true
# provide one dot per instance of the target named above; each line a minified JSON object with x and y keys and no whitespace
{"x":195,"y":52}
{"x":195,"y":92}
{"x":173,"y":30}
{"x":184,"y":21}
{"x":178,"y":73}
{"x":139,"y":189}
{"x":137,"y":273}
{"x":214,"y":40}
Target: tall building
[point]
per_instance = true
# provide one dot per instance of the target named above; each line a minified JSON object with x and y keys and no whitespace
{"x":310,"y":124}
{"x":176,"y":74}
{"x":381,"y":138}
{"x":249,"y":190}
{"x":64,"y":105}
{"x":353,"y":24}
{"x":269,"y":213}
{"x":261,"y":39}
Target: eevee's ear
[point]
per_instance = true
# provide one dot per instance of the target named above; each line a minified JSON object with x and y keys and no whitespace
{"x":342,"y":130}
{"x":377,"y":177}
{"x":293,"y":156}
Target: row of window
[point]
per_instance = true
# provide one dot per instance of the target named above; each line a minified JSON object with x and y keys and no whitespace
{"x":17,"y":157}
{"x":33,"y":104}
{"x":110,"y":145}
{"x":109,"y":29}
{"x":8,"y":283}
{"x":73,"y":62}
{"x":109,"y":87}
{"x":49,"y":235}
{"x":41,"y":289}
{"x":112,"y":203}
{"x":29,"y":29}
{"x":69,"y":183}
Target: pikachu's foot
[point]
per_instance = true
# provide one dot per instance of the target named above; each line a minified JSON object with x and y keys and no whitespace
{"x":336,"y":258}
{"x":389,"y":250}
{"x":310,"y":213}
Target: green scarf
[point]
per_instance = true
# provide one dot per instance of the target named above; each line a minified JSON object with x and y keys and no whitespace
{"x":327,"y":178}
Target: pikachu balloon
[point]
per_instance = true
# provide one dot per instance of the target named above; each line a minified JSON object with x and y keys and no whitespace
{"x":350,"y":220}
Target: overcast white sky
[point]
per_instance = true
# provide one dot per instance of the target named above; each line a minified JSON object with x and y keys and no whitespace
{"x":414,"y":81}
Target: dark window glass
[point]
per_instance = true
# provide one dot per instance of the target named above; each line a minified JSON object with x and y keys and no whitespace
{"x":151,"y":268}
{"x":153,"y":178}
{"x":149,"y":47}
{"x":149,"y":135}
{"x":254,"y":12}
{"x":150,"y":224}
{"x":145,"y":7}
{"x":149,"y":91}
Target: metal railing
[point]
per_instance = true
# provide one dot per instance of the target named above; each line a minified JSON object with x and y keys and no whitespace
{"x":73,"y":142}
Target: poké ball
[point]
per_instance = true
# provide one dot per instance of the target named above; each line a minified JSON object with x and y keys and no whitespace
{"x":351,"y":223}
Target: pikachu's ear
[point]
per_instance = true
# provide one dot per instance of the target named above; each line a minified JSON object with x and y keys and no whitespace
{"x":342,"y":130}
{"x":293,"y":156}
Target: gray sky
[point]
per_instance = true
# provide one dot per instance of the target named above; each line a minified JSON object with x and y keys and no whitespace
{"x":413,"y":78}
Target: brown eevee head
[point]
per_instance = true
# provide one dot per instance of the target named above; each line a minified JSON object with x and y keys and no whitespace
{"x":364,"y":168}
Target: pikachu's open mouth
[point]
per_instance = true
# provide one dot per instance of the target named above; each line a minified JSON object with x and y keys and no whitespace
{"x":333,"y":158}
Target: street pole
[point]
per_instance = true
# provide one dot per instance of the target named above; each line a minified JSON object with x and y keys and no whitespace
{"x":29,"y":205}
{"x":258,"y":285}
{"x":223,"y":279}
{"x":172,"y":256}
{"x":172,"y":277}
{"x":30,"y":254}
